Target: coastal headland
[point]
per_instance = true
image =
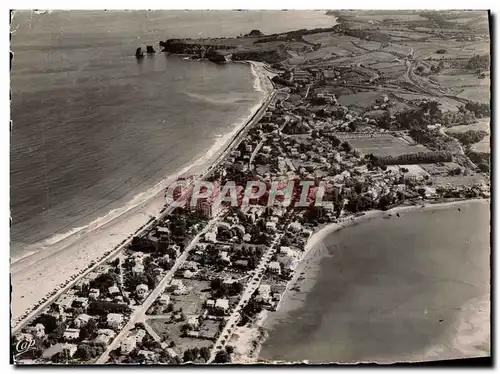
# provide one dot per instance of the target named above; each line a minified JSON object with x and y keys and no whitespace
{"x":362,"y":106}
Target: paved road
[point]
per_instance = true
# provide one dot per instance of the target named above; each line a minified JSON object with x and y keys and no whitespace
{"x":252,"y":285}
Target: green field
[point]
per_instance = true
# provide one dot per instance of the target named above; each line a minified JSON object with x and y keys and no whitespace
{"x":385,"y":146}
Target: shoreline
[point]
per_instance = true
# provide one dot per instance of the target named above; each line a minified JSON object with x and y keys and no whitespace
{"x":46,"y":274}
{"x":250,"y":355}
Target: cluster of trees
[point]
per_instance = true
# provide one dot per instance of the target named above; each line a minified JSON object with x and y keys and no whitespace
{"x":49,"y":322}
{"x":416,"y":158}
{"x":219,"y":289}
{"x":469,"y":137}
{"x":368,"y":35}
{"x":102,"y":282}
{"x":193,"y":354}
{"x":86,"y":352}
{"x":296,"y":128}
{"x":479,"y":109}
{"x":88,"y":331}
{"x":479,"y":62}
{"x":224,"y":356}
{"x":359,"y":203}
{"x":105,"y":307}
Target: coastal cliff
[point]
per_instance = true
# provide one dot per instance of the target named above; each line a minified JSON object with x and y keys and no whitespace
{"x":220,"y":52}
{"x":254,"y":46}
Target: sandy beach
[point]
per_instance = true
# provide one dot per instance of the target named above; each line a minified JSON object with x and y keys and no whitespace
{"x":473,"y":322}
{"x":36,"y":275}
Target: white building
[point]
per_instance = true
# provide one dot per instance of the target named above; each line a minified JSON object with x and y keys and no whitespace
{"x":271,"y":226}
{"x":94,"y":293}
{"x":295,"y":226}
{"x":71,"y":334}
{"x":82,"y":320}
{"x":193,"y":321}
{"x":165,"y":299}
{"x":222,"y":304}
{"x":128,"y":345}
{"x":114,"y":320}
{"x":114,"y":290}
{"x":211,"y":237}
{"x":138,"y":269}
{"x":275,"y":267}
{"x":265,"y":292}
{"x":141,"y":290}
{"x":65,"y":301}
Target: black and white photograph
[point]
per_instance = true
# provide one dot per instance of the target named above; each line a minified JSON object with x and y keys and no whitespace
{"x":241,"y":187}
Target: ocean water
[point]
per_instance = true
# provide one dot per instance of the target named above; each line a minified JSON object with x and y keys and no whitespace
{"x":94,"y":130}
{"x":410,"y":288}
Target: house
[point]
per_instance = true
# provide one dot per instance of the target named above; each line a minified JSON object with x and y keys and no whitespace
{"x":171,"y":352}
{"x":241,"y":264}
{"x":188,"y":274}
{"x":288,"y":252}
{"x":247,"y":237}
{"x":211,"y":237}
{"x":191,"y":265}
{"x":148,"y":355}
{"x":139,"y":335}
{"x":138,"y":269}
{"x":94,"y":293}
{"x":295,"y":226}
{"x":141,"y":290}
{"x":275,"y":267}
{"x":81,"y":302}
{"x":82,"y":320}
{"x":176,"y":284}
{"x":306,"y":232}
{"x":114,"y":320}
{"x":210,"y":303}
{"x":165,"y":299}
{"x":271,"y":226}
{"x":193,"y":321}
{"x":38,"y":330}
{"x":114,"y":290}
{"x":163,"y":231}
{"x":104,"y":336}
{"x":222,"y":305}
{"x":128,"y":345}
{"x":176,"y":249}
{"x":265,"y":292}
{"x":193,"y":334}
{"x":65,"y":301}
{"x":71,"y":334}
{"x":225,"y":257}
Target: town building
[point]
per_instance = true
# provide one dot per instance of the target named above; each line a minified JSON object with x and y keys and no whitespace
{"x":128,"y":345}
{"x":71,"y":334}
{"x":114,"y":320}
{"x":82,"y":320}
{"x":94,"y":293}
{"x":165,"y":299}
{"x":141,"y":290}
{"x":222,"y":305}
{"x":275,"y":267}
